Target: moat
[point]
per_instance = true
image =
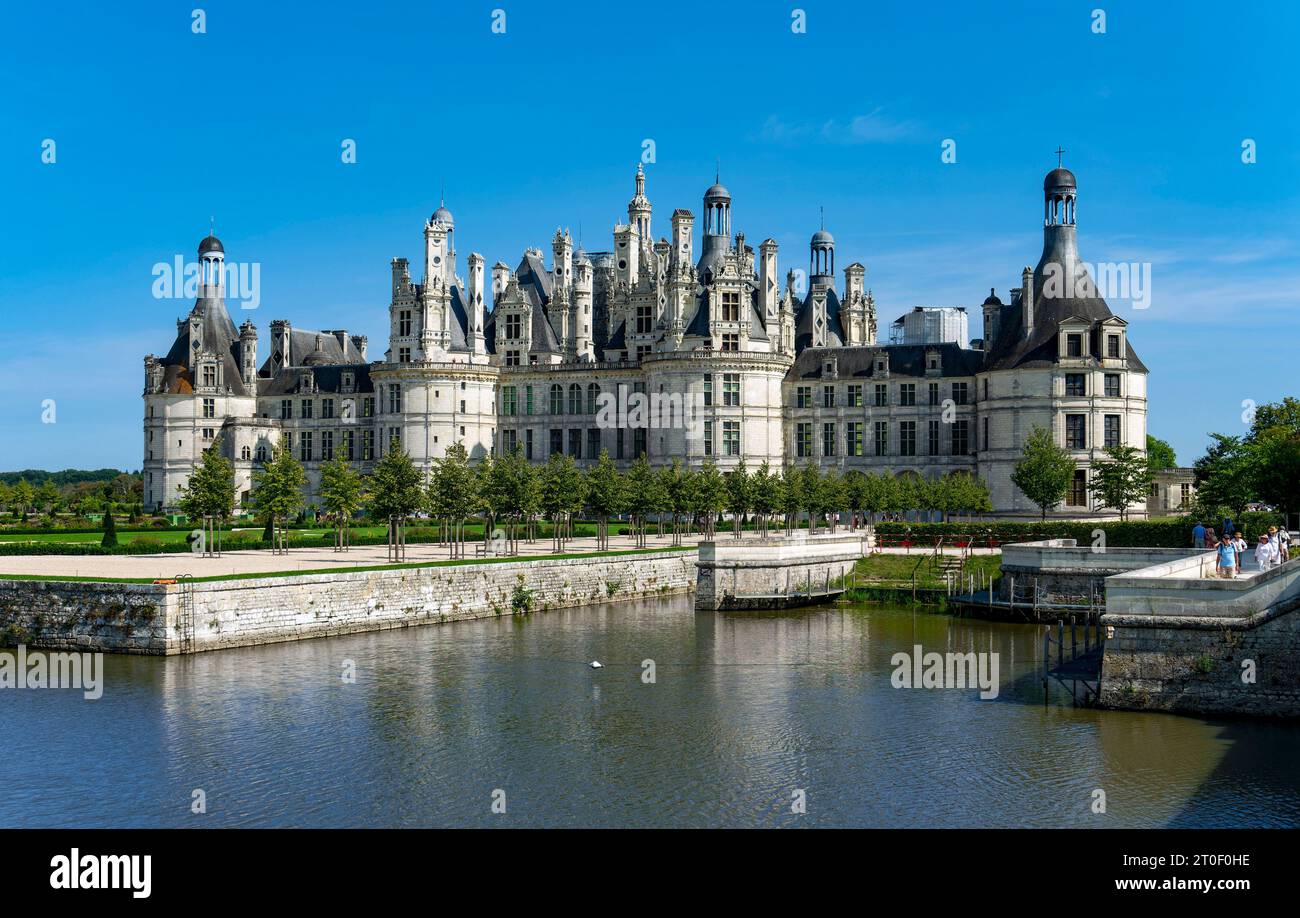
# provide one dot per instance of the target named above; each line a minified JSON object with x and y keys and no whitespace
{"x":744,"y":710}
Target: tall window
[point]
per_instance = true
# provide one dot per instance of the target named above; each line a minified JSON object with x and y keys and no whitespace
{"x":1112,"y":430}
{"x":593,"y":397}
{"x":367,"y":445}
{"x":960,"y":393}
{"x":1074,"y":432}
{"x":368,"y":407}
{"x":882,"y":438}
{"x":907,"y":394}
{"x":882,"y":395}
{"x":327,"y":445}
{"x":708,"y":439}
{"x":1078,"y":496}
{"x":932,"y":441}
{"x":306,"y":407}
{"x":1112,"y":346}
{"x":513,"y":326}
{"x":644,"y":320}
{"x":327,"y":407}
{"x":209,"y":407}
{"x":1074,"y":385}
{"x":575,"y":399}
{"x":557,"y":441}
{"x":404,"y":323}
{"x":907,"y":438}
{"x":575,"y":443}
{"x":528,"y":400}
{"x":348,"y":445}
{"x":509,"y":442}
{"x":828,"y":439}
{"x":828,"y":396}
{"x":557,"y":399}
{"x":853,"y":438}
{"x":803,"y":396}
{"x":1112,"y":385}
{"x":394,"y":399}
{"x":304,"y":446}
{"x":708,"y":390}
{"x":731,"y":390}
{"x":960,"y":437}
{"x":528,"y":444}
{"x":803,"y":440}
{"x":854,"y":396}
{"x":209,"y":376}
{"x":934,"y":393}
{"x":286,"y":409}
{"x":509,"y":401}
{"x":730,"y":438}
{"x":730,"y":306}
{"x":593,"y":442}
{"x":1074,"y":345}
{"x":731,"y":342}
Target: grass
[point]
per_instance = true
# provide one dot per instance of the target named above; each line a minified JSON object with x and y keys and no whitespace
{"x":896,"y":570}
{"x":448,"y":562}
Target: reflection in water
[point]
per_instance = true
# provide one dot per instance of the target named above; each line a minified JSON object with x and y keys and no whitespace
{"x":745,"y":709}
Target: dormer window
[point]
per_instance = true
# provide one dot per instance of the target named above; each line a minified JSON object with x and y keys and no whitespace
{"x":1074,"y":345}
{"x":1112,"y":346}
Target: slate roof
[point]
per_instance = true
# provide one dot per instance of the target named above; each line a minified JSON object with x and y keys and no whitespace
{"x":219,"y":335}
{"x":904,"y":360}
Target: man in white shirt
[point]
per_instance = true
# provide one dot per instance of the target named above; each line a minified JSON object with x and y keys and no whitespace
{"x":1264,"y":553}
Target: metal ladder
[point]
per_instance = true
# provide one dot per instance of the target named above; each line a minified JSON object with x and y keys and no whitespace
{"x":185,"y":612}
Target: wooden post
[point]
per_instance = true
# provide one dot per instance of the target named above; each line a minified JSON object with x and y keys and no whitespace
{"x":1060,"y":642}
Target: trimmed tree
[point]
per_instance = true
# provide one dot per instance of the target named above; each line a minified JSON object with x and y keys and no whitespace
{"x":1044,"y":471}
{"x":765,"y":491}
{"x":604,"y":496}
{"x":342,"y":493}
{"x":791,"y":496}
{"x":710,"y":496}
{"x":641,"y":489}
{"x":396,"y":491}
{"x":452,"y":495}
{"x":110,"y":531}
{"x":210,"y":491}
{"x":1122,"y":480}
{"x":277,"y":491}
{"x":740,"y":497}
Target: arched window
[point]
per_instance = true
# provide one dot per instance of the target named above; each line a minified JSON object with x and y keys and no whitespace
{"x":245,"y":453}
{"x":557,"y":399}
{"x":593,"y":396}
{"x":575,"y":399}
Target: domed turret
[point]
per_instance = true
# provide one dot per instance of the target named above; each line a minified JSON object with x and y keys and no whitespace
{"x":211,"y":243}
{"x":822,"y":256}
{"x":443,"y":215}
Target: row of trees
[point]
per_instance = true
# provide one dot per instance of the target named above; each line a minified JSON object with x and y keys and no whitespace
{"x":1260,"y":467}
{"x":512,"y":495}
{"x":121,"y":492}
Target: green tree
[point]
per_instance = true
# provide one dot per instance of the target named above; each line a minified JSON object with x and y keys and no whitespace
{"x":810,"y":489}
{"x":1226,"y":474}
{"x":766,"y":495}
{"x":874,"y":495}
{"x":605,"y":496}
{"x":210,"y":490}
{"x":110,"y":531}
{"x":855,"y":494}
{"x":452,"y":495}
{"x":47,"y":496}
{"x":642,"y":497}
{"x":1160,"y":455}
{"x":679,"y":487}
{"x":791,"y":496}
{"x":342,"y":494}
{"x":1121,"y":480}
{"x":831,"y":497}
{"x":1044,"y":471}
{"x":23,"y":496}
{"x":740,"y":496}
{"x":710,"y":496}
{"x":1277,"y":468}
{"x":561,"y":494}
{"x":277,"y":488}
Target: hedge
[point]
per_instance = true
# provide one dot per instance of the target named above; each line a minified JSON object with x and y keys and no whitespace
{"x":1134,"y":533}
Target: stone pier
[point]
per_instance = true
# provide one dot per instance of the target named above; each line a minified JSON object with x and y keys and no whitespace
{"x":775,"y":573}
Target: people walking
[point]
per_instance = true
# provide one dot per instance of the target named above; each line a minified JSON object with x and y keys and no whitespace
{"x":1239,"y":543}
{"x":1284,"y":543}
{"x":1227,"y":559}
{"x":1264,"y":553}
{"x":1275,"y":548}
{"x":1198,"y":535}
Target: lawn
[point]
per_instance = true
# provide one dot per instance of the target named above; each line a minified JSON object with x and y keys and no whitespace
{"x":897,"y":570}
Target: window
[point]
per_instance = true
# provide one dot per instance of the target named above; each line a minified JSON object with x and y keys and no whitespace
{"x":638,"y":442}
{"x":708,"y":390}
{"x":403,"y":355}
{"x":1075,"y":385}
{"x":960,"y":393}
{"x":730,"y":438}
{"x":986,"y":433}
{"x":209,"y":407}
{"x":1074,"y":345}
{"x":854,"y":396}
{"x":557,"y":441}
{"x":618,"y":439}
{"x":960,"y":437}
{"x":1112,"y":385}
{"x":208,"y":433}
{"x":593,"y":397}
{"x":304,"y":446}
{"x":731,"y":342}
{"x":1074,"y":432}
{"x":347,"y":445}
{"x":1185,"y":494}
{"x":395,"y":399}
{"x":882,"y":438}
{"x":575,"y":443}
{"x":327,"y":445}
{"x":260,"y":453}
{"x":368,"y":407}
{"x":803,"y":440}
{"x":557,"y":399}
{"x":575,"y":399}
{"x":306,"y":408}
{"x":934,"y":393}
{"x":593,"y":442}
{"x":828,"y":439}
{"x":803,"y":396}
{"x":512,"y":358}
{"x":907,"y":438}
{"x":932,"y":441}
{"x":881,"y":395}
{"x":513,"y":326}
{"x":327,"y":408}
{"x":528,"y":444}
{"x":367,"y":445}
{"x":828,"y":396}
{"x":853,"y":438}
{"x":1111,"y":431}
{"x":209,"y":376}
{"x":1112,"y":346}
{"x":509,"y":401}
{"x":528,"y":400}
{"x":907,"y":394}
{"x":509,"y":442}
{"x":395,"y":437}
{"x":730,"y":306}
{"x":644,"y":320}
{"x":1078,"y":496}
{"x":708,"y":439}
{"x":731,"y":390}
{"x":404,"y":323}
{"x":986,"y":388}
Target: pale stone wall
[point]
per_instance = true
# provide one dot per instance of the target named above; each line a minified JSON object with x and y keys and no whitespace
{"x":145,"y":618}
{"x":750,"y":575}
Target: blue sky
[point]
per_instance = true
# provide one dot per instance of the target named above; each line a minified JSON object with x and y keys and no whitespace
{"x":159,"y":129}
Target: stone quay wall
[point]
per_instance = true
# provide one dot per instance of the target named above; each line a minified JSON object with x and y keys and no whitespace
{"x":1063,"y":570}
{"x":1181,"y":643}
{"x":773,"y":573}
{"x":139,"y":618}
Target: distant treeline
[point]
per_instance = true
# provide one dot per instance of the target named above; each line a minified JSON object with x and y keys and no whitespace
{"x":66,"y":477}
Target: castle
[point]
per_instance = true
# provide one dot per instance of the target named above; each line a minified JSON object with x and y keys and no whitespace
{"x":783,"y":373}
